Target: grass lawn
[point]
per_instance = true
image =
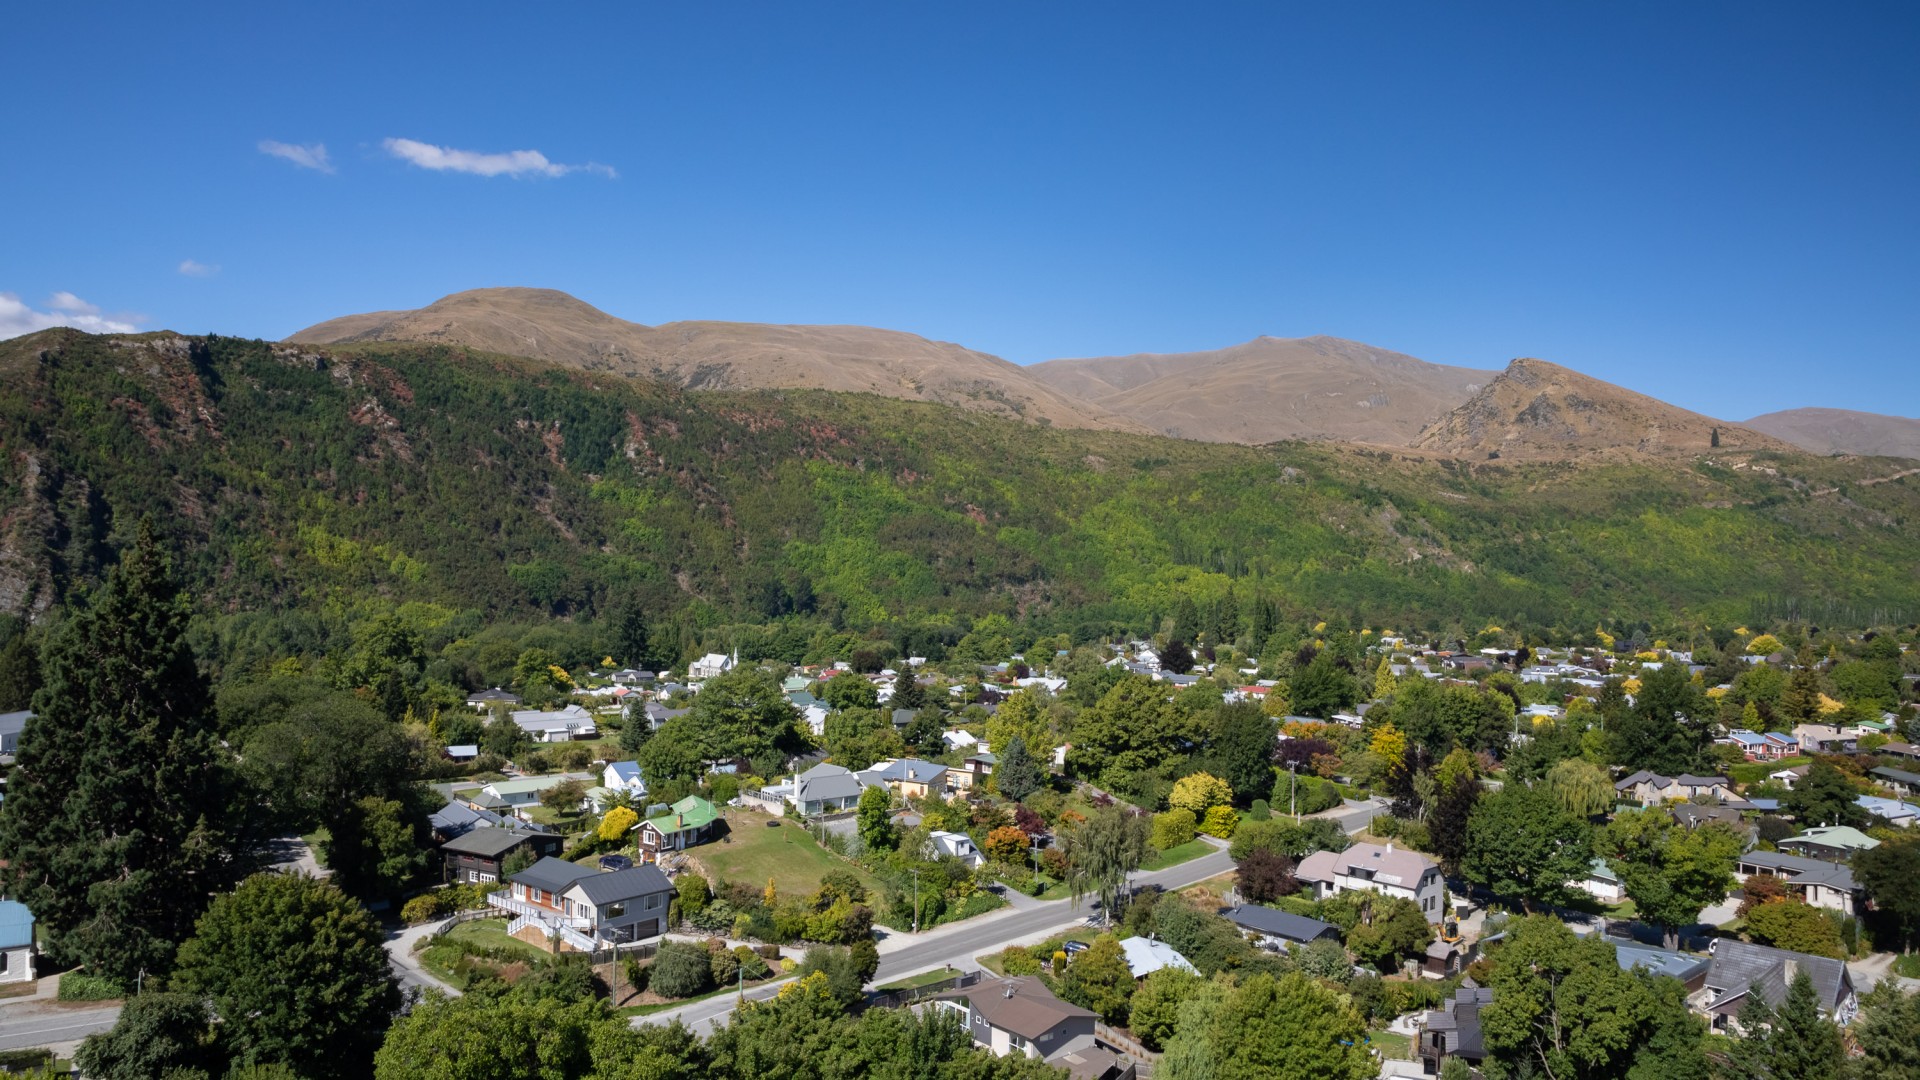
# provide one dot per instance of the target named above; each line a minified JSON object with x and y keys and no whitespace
{"x":925,"y":978}
{"x":1753,"y":772}
{"x":1174,"y":856}
{"x":554,"y":819}
{"x":1907,"y":965}
{"x":663,"y":1006}
{"x":1391,"y":1045}
{"x":440,"y":957}
{"x":785,"y":852}
{"x":1211,"y":891}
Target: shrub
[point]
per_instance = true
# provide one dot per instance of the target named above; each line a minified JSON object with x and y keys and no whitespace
{"x":724,"y":965}
{"x":1173,"y":828}
{"x":1007,"y":844}
{"x":1220,"y":822}
{"x":1265,"y":875}
{"x":79,"y":986}
{"x":694,"y":894}
{"x":1260,"y":811}
{"x":1199,"y":793}
{"x":423,"y":908}
{"x":1015,"y":960}
{"x":680,"y":969}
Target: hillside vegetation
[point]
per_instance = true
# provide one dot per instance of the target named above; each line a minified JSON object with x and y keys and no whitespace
{"x":293,"y":476}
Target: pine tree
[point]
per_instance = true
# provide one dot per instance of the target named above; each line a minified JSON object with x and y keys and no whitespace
{"x":1018,"y":775}
{"x":112,"y":829}
{"x":19,"y":672}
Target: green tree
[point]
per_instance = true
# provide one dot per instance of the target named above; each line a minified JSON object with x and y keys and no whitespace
{"x":680,"y":969}
{"x":1242,"y":750}
{"x":848,"y":690}
{"x":1671,"y":873}
{"x":1391,"y":929}
{"x":1791,"y":1042}
{"x":1520,"y":843}
{"x":1289,"y":1028}
{"x":1582,"y":788}
{"x":629,"y":644}
{"x":1888,"y":874}
{"x":1018,"y":775}
{"x":154,"y":1033}
{"x":1101,"y":851}
{"x":19,"y":672}
{"x":1122,"y":732}
{"x":380,"y":848}
{"x":874,"y":817}
{"x":1026,"y":716}
{"x":1322,"y":688}
{"x":564,"y":797}
{"x":1154,"y":1011}
{"x":326,"y":755}
{"x":1824,"y":797}
{"x":741,"y":714}
{"x":1668,"y":729}
{"x":1199,"y":793}
{"x":843,"y":977}
{"x":1099,"y":979}
{"x":115,"y":825}
{"x":1562,"y":1007}
{"x":483,"y":1037}
{"x":1888,"y":1034}
{"x":907,"y":693}
{"x":296,"y":973}
{"x":1795,"y":926}
{"x":1456,"y":791}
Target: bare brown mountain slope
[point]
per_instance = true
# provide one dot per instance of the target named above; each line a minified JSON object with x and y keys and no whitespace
{"x":1272,"y":388}
{"x":1843,"y":431}
{"x":1538,"y":410}
{"x":553,"y":326}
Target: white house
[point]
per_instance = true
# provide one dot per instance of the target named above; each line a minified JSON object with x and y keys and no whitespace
{"x":624,"y":776}
{"x":710,"y":666}
{"x":556,"y":725}
{"x":957,"y":845}
{"x":1146,"y":956}
{"x":1374,"y":868}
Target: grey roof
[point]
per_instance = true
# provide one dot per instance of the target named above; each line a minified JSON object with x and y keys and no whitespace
{"x":1897,"y":775}
{"x":14,"y":722}
{"x":457,"y":817}
{"x":913,"y":769}
{"x":495,"y":694}
{"x":607,"y":887}
{"x":823,"y":782}
{"x":1460,"y":1020}
{"x":1739,"y":968}
{"x":1682,"y":966}
{"x":486,"y":843}
{"x":1281,"y":924}
{"x":552,"y":875}
{"x":1802,"y":869}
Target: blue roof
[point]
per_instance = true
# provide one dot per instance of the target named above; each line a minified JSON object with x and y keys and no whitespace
{"x":16,"y":925}
{"x":625,"y":771}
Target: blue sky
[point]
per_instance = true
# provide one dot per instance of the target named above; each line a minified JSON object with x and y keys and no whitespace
{"x":1712,"y":203}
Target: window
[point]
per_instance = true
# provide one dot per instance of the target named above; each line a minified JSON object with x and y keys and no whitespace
{"x":615,"y":911}
{"x":653,"y":901}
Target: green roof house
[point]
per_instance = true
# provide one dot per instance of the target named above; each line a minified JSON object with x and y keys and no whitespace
{"x":689,"y":822}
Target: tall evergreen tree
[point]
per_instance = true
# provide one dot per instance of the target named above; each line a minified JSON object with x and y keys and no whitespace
{"x":113,"y":827}
{"x":19,"y":672}
{"x":1791,"y":1042}
{"x":1018,"y":775}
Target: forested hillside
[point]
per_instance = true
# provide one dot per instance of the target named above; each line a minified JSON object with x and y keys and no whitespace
{"x":292,"y":477}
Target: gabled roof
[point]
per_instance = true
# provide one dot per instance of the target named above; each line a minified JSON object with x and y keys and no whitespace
{"x":487,"y":843}
{"x":1899,"y":776}
{"x":493,"y":695}
{"x":1387,"y":865}
{"x":1739,"y":968}
{"x":1146,"y":956}
{"x":607,"y":887}
{"x":1021,"y":1005}
{"x":1682,"y":966}
{"x":1276,"y":923}
{"x":1834,"y":837}
{"x":906,"y":769}
{"x":552,"y":875}
{"x":691,"y":812}
{"x":457,"y":817}
{"x":624,"y":771}
{"x":1798,"y":868}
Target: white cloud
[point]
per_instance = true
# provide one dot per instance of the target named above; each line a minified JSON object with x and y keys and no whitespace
{"x":190,"y":268}
{"x":17,"y":318}
{"x":307,"y":157}
{"x":511,"y":163}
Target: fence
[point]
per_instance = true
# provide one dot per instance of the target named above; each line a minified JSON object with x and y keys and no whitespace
{"x":893,"y":999}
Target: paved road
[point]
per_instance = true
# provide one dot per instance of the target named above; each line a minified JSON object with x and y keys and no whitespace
{"x":26,"y":1022}
{"x":957,"y":944}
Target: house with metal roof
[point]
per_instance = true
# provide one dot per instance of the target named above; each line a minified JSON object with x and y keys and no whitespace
{"x":825,"y":789}
{"x":487,"y":699}
{"x":1272,"y":928}
{"x":624,"y":776}
{"x":687,"y":823}
{"x":910,"y":777}
{"x":1740,"y":972}
{"x":568,"y":906}
{"x":1146,"y":956}
{"x":1454,"y":1029}
{"x":1893,"y":811}
{"x":1649,"y":787}
{"x":480,"y":853}
{"x":1817,"y":881}
{"x":1836,"y":842}
{"x":555,"y":725}
{"x":1021,"y":1016}
{"x":1689,"y":968}
{"x":1898,"y":779}
{"x":16,"y":942}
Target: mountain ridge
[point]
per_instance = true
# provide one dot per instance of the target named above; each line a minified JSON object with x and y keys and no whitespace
{"x":1843,"y":431}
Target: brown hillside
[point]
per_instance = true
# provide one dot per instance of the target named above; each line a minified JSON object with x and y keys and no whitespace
{"x":1843,"y":431}
{"x":553,"y":326}
{"x":1272,"y":388}
{"x":1537,"y":410}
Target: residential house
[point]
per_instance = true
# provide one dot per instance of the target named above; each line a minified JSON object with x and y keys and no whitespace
{"x":710,"y":666}
{"x":689,"y":822}
{"x":1893,"y":811}
{"x":1817,"y":881}
{"x":624,"y":776}
{"x":526,"y":790}
{"x":632,"y":677}
{"x":484,"y":700}
{"x":462,"y":753}
{"x":910,"y":777}
{"x":657,"y":714}
{"x":1602,"y":883}
{"x":1271,"y":928}
{"x":1900,"y":780}
{"x":1834,"y":842}
{"x":580,"y":908}
{"x":826,"y":789}
{"x":1454,"y":1029}
{"x":1903,"y":750}
{"x":1146,"y":956}
{"x":1790,"y":776}
{"x":457,"y":817}
{"x":973,"y":772}
{"x":16,"y":942}
{"x":1826,"y":739}
{"x":1648,"y":787}
{"x":1376,"y":868}
{"x":1021,"y":1016}
{"x":1738,"y":972}
{"x":958,"y":739}
{"x":814,"y":714}
{"x":11,"y":725}
{"x":479,"y":853}
{"x":956,"y":845}
{"x":1752,"y":744}
{"x":555,"y":725}
{"x":1689,"y":968}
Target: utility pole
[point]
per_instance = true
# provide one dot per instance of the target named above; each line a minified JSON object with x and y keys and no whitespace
{"x":1292,"y":780}
{"x":916,"y":901}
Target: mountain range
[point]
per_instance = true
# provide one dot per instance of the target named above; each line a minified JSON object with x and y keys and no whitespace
{"x":1265,"y":390}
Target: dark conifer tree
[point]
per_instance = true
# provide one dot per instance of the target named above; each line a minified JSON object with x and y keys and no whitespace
{"x":113,"y":829}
